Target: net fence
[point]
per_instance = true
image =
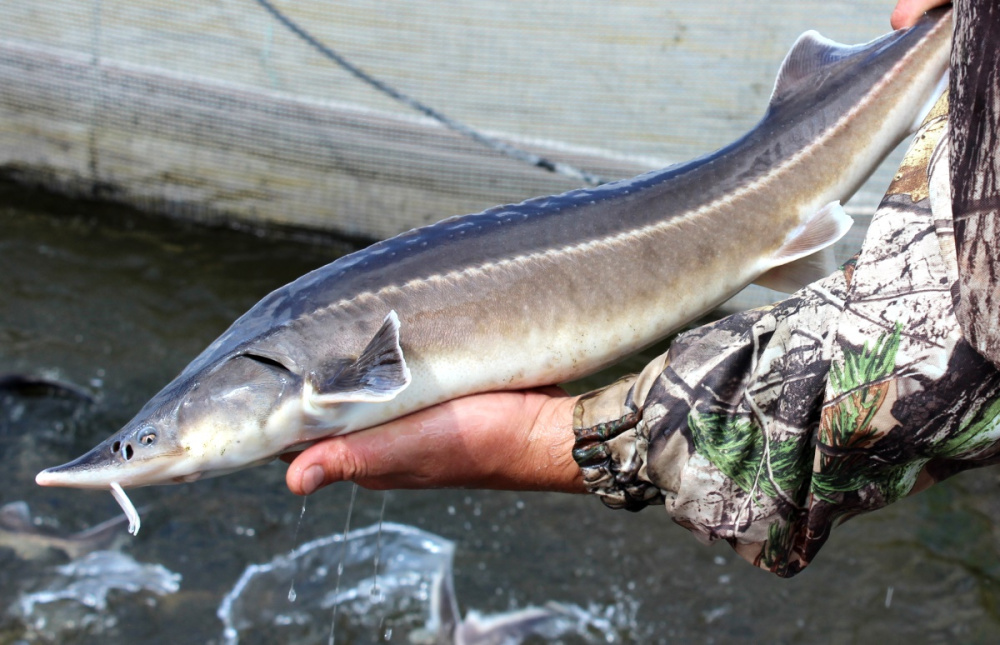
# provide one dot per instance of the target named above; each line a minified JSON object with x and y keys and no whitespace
{"x":216,"y":109}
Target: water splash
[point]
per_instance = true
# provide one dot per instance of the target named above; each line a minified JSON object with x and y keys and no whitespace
{"x":416,"y":600}
{"x":76,"y":596}
{"x":90,"y":579}
{"x":410,"y":559}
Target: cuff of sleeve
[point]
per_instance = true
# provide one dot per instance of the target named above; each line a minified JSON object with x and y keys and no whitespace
{"x":611,"y":441}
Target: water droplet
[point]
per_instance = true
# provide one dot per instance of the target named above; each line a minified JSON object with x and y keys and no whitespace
{"x":295,"y":540}
{"x":340,"y":566}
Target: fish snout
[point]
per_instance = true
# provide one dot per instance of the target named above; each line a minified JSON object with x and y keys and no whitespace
{"x":116,"y":459}
{"x":83,"y":472}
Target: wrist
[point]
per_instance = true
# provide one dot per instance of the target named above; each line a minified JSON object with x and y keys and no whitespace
{"x":545,"y":458}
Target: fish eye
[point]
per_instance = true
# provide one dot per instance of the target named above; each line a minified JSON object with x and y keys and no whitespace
{"x":147,"y":436}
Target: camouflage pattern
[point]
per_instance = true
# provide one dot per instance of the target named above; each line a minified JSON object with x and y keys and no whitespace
{"x":975,"y":189}
{"x":768,"y":428}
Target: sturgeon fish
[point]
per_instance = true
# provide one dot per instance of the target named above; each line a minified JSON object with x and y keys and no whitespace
{"x":19,"y":533}
{"x":540,"y":292}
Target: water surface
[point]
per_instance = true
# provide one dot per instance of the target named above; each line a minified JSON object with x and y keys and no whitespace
{"x":119,"y":303}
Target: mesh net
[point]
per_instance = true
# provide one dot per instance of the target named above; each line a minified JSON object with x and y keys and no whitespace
{"x":216,"y":109}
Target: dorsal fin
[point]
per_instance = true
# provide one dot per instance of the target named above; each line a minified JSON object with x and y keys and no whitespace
{"x":810,"y":60}
{"x":815,"y":64}
{"x":814,"y":58}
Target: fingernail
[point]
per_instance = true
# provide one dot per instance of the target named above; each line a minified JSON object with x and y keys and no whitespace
{"x":312,"y":478}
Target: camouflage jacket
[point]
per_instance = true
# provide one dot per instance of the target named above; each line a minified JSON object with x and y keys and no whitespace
{"x":767,"y":428}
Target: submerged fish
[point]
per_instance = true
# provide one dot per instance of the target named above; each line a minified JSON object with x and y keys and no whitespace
{"x":534,"y":293}
{"x":31,"y":384}
{"x":19,"y":532}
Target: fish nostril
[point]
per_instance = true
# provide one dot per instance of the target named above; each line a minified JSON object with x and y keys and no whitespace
{"x":115,"y":447}
{"x":127,"y":451}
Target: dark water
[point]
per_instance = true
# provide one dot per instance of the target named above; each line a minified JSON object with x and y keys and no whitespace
{"x":118,"y":303}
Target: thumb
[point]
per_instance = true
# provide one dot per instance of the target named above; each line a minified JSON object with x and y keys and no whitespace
{"x":324,"y":463}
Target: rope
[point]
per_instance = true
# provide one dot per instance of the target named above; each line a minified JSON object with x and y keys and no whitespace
{"x":467,"y":131}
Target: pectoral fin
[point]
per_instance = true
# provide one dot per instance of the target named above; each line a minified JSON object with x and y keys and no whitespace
{"x":807,"y":254}
{"x":378,"y":374}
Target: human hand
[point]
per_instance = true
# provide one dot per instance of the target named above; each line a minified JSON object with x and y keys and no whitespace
{"x":499,"y":440}
{"x":907,"y":12}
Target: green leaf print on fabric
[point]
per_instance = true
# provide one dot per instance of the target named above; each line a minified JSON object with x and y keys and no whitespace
{"x":868,"y":366}
{"x":979,"y":431}
{"x":776,"y":549}
{"x":738,"y":448}
{"x":859,"y":387}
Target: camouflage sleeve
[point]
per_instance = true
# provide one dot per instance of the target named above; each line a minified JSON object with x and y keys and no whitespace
{"x":974,"y":138}
{"x":767,"y":428}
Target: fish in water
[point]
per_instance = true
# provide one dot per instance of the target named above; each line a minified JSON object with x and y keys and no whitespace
{"x":19,"y":532}
{"x":513,"y":626}
{"x":539,"y":292}
{"x":30,"y":384}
